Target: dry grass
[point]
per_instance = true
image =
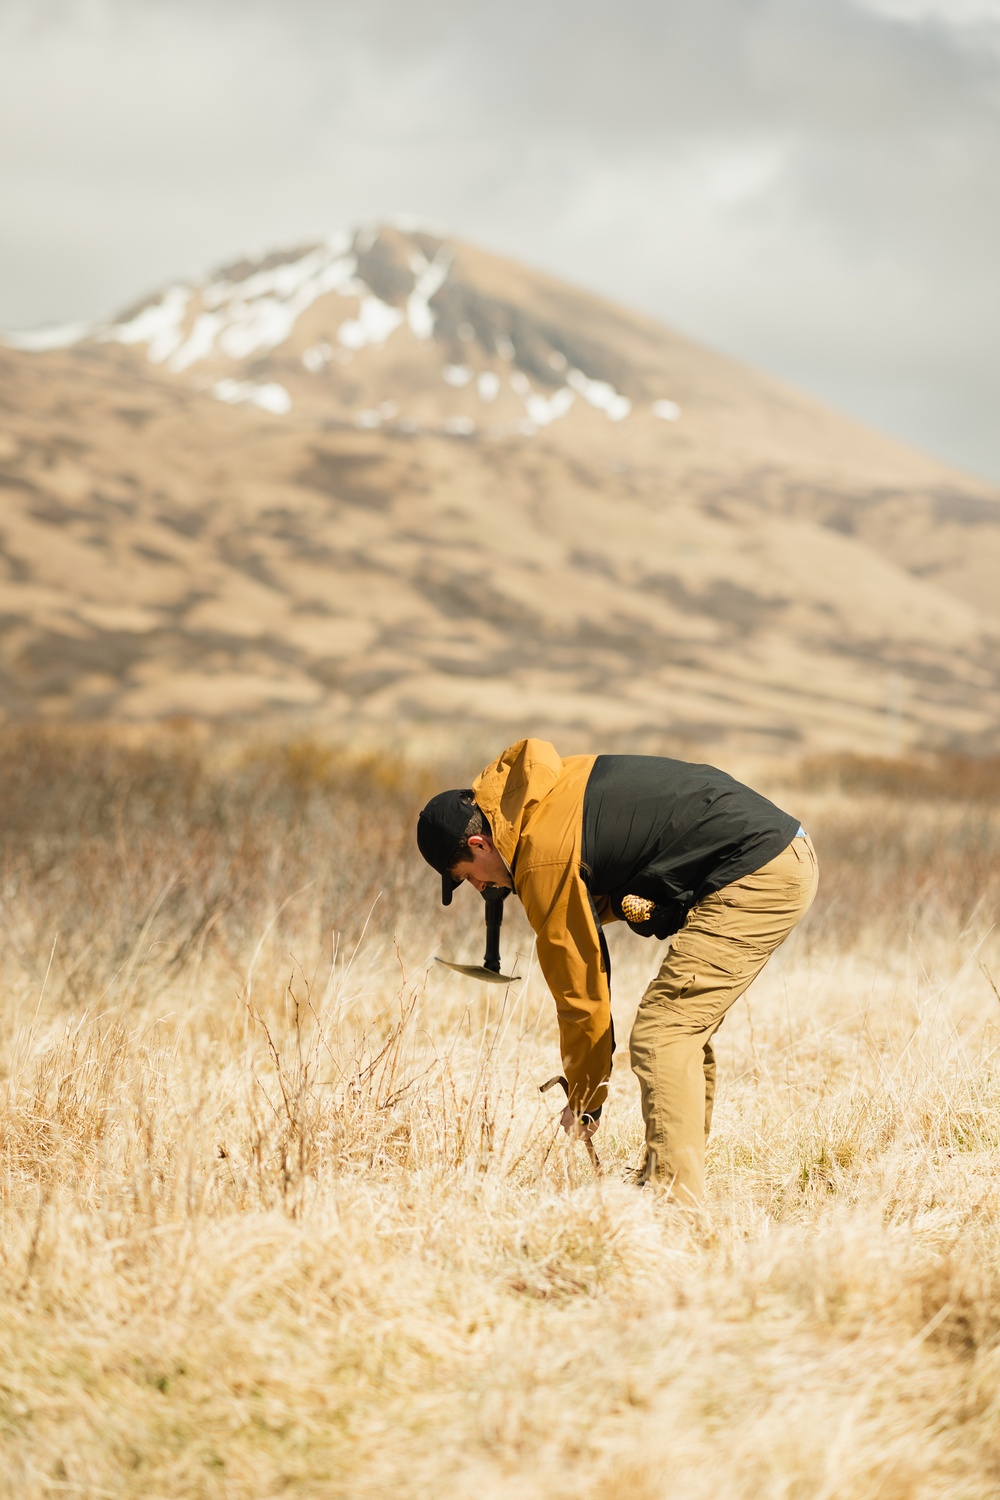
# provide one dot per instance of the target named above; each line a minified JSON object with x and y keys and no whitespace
{"x":284,"y":1213}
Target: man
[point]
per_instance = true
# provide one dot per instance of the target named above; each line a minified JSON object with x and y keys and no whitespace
{"x":670,"y":848}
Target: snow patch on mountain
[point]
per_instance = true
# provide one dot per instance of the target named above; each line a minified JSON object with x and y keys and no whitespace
{"x":40,"y":340}
{"x":600,"y":394}
{"x":160,"y":325}
{"x":284,"y":281}
{"x":375,"y":323}
{"x":317,"y":357}
{"x":542,"y":410}
{"x":260,"y":312}
{"x":431,"y":276}
{"x":199,"y":342}
{"x":270,"y":396}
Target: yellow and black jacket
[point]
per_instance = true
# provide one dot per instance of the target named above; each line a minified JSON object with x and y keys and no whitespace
{"x":582,"y":834}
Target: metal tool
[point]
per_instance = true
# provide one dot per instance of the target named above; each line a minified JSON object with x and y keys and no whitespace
{"x":489,"y":970}
{"x":478,"y":971}
{"x":595,"y":1160}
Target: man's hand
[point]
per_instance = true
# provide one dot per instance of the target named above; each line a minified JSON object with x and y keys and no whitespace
{"x":576,"y":1129}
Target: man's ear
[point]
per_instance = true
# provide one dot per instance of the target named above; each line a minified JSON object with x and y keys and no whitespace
{"x":480,"y":841}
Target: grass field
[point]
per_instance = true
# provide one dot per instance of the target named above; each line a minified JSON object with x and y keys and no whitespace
{"x":284,"y":1213}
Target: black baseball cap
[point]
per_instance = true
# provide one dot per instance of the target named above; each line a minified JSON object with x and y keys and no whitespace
{"x":441,"y":834}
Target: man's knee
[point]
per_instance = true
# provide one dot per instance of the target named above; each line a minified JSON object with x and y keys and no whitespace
{"x":656,"y":1026}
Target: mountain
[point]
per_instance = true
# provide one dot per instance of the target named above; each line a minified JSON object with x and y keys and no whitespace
{"x":400,"y":487}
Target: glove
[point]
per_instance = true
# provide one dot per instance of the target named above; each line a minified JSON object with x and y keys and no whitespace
{"x":649,"y":918}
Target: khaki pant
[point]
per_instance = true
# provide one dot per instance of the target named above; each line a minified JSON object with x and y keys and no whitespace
{"x":722,"y":947}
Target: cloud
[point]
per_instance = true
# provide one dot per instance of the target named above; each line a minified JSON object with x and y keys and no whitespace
{"x":952,"y":13}
{"x":810,"y":184}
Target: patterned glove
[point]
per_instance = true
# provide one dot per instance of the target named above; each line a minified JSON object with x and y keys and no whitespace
{"x":637,"y":908}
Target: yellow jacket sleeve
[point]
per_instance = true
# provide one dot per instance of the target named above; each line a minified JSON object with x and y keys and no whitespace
{"x":534,"y":801}
{"x":558,"y":906}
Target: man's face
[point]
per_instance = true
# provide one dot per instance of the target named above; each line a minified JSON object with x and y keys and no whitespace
{"x":485,"y":868}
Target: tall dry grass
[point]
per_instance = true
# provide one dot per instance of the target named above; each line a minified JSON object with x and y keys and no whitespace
{"x":283,"y":1211}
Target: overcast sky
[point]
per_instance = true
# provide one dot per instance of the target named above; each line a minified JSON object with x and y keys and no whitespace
{"x":811,"y":185}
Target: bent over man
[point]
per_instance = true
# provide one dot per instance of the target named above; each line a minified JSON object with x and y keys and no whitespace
{"x":675,"y":850}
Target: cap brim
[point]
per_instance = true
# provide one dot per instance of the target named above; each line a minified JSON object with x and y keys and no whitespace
{"x":447,"y":887}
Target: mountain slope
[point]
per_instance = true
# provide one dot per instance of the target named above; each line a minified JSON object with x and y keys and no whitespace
{"x":395,"y":481}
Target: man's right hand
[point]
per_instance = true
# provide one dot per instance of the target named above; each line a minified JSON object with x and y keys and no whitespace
{"x":576,"y":1128}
